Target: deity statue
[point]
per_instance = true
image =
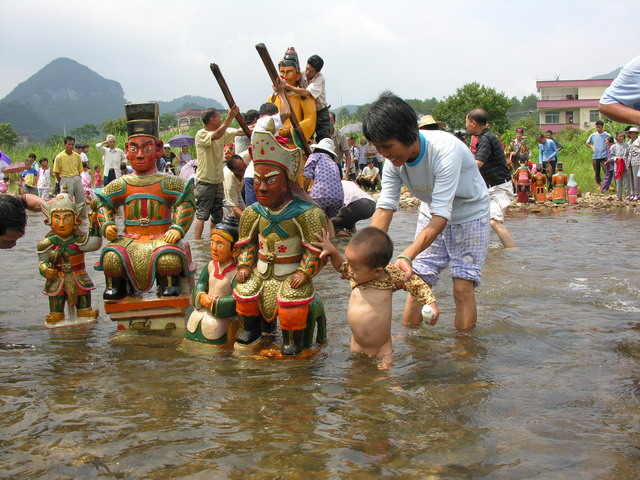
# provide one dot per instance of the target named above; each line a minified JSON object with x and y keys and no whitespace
{"x":559,"y":183}
{"x":158,"y":210}
{"x":540,"y":181}
{"x":277,"y":262}
{"x":61,"y":255}
{"x":303,"y":108}
{"x":572,"y":191}
{"x":522,"y":177}
{"x":213,"y":321}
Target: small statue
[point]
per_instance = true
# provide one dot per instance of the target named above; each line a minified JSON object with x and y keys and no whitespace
{"x":522,"y":177}
{"x":212,"y":295}
{"x":61,"y":255}
{"x":572,"y":191}
{"x":559,"y":183}
{"x":540,"y":182}
{"x":277,"y":261}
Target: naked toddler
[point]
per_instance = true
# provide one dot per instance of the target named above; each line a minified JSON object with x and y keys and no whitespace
{"x":373,"y":280}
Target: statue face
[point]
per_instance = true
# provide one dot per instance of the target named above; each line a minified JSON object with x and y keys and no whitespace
{"x":63,"y":223}
{"x":290,"y":74}
{"x":271,"y":186}
{"x":142,"y":153}
{"x":221,"y":250}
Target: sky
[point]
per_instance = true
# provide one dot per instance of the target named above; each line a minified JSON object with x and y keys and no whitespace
{"x":161,"y":49}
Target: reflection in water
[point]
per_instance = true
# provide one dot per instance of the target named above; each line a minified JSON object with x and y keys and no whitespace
{"x":546,"y":386}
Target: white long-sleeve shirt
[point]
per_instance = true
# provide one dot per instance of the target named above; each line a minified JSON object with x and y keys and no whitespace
{"x":111,"y":158}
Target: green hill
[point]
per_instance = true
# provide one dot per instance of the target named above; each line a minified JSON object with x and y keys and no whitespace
{"x":188,"y":102}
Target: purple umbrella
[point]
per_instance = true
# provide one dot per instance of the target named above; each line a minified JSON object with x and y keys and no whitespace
{"x":182,"y":141}
{"x":4,"y":160}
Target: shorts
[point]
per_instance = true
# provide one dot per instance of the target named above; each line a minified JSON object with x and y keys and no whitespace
{"x":209,"y":199}
{"x":500,"y":197}
{"x":462,"y":247}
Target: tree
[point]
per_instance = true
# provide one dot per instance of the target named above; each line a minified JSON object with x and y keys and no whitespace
{"x":422,"y":107}
{"x":55,"y":140}
{"x":454,"y":109}
{"x":8,"y":136}
{"x":115,"y":127}
{"x":343,"y":116}
{"x":168,"y":121}
{"x":85,"y":133}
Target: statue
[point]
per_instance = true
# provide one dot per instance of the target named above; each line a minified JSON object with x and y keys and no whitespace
{"x":540,"y":182}
{"x":303,"y":108}
{"x":158,"y":211}
{"x":213,"y":321}
{"x":559,"y":183}
{"x":572,"y":191}
{"x":61,"y":255}
{"x":522,"y":177}
{"x":277,"y":262}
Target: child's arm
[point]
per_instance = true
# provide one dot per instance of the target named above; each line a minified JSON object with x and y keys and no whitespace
{"x":328,"y":248}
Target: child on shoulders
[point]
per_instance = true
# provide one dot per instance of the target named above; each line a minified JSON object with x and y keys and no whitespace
{"x":373,"y":280}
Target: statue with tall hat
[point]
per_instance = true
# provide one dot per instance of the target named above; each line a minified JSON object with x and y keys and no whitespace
{"x":276,"y":261}
{"x":158,"y":211}
{"x":572,"y":190}
{"x":61,"y":256}
{"x":559,"y":182}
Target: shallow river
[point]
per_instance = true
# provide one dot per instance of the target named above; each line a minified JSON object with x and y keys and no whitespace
{"x":547,"y":386}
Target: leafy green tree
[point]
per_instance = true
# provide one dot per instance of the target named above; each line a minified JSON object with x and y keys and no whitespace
{"x":85,"y":133}
{"x":422,"y":107}
{"x":117,"y":127}
{"x":8,"y":136}
{"x":343,"y":115}
{"x":453,"y":109}
{"x":55,"y":140}
{"x":167,"y":121}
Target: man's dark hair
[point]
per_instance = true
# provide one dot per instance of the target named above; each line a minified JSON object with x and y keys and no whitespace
{"x":600,"y":122}
{"x":251,"y":116}
{"x":13,"y":215}
{"x":69,"y":139}
{"x":332,"y":116}
{"x":390,"y":118}
{"x":316,"y":62}
{"x":268,"y":109}
{"x":233,"y":162}
{"x":43,"y":159}
{"x":208,"y":114}
{"x":32,"y":155}
{"x":478,"y":115}
{"x":375,"y":244}
{"x":541,"y":136}
{"x":549,"y":131}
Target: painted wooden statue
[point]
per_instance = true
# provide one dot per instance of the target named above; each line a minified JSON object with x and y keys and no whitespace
{"x":158,"y":210}
{"x":559,"y":183}
{"x":540,"y":182}
{"x":276,"y":262}
{"x":522,"y":177}
{"x":572,"y":191}
{"x":213,"y":321}
{"x":61,"y":255}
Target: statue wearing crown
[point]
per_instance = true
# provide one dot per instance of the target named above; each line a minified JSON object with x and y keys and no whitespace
{"x":61,"y":255}
{"x":276,"y":261}
{"x":158,"y":211}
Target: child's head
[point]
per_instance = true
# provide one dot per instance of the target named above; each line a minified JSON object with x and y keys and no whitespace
{"x":620,"y":137}
{"x":610,"y":140}
{"x":85,"y":165}
{"x":97,"y":168}
{"x":368,"y":252}
{"x":44,"y":162}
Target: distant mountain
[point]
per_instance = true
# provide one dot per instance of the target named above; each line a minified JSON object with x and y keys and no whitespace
{"x":186,"y":103}
{"x":612,"y":74}
{"x":351,"y":109}
{"x":65,"y":95}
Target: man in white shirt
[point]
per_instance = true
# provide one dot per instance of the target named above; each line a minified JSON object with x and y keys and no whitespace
{"x":369,"y":177}
{"x":233,"y":176}
{"x":112,"y":157}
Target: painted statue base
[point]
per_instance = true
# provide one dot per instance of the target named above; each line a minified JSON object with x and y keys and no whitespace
{"x":149,"y":314}
{"x":270,"y":344}
{"x":70,"y":321}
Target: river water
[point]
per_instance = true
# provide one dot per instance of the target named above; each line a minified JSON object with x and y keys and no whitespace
{"x":547,"y":386}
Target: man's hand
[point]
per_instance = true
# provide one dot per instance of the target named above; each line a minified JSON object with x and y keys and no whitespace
{"x":404,"y":265}
{"x":172,"y":236}
{"x":243,"y":274}
{"x":111,"y":232}
{"x":234,"y":111}
{"x":298,"y":279}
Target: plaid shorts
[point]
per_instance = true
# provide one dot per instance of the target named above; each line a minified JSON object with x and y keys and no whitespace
{"x":462,"y":247}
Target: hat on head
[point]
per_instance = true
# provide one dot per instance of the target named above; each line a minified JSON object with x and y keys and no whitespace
{"x":142,"y":119}
{"x":572,"y":181}
{"x":520,"y":130}
{"x":166,"y":145}
{"x":228,"y":229}
{"x":633,"y":129}
{"x":267,"y":150}
{"x":427,"y":120}
{"x":325,"y":145}
{"x":61,"y":203}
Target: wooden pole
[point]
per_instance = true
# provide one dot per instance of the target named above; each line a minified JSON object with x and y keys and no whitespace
{"x":229,"y":98}
{"x":273,"y":75}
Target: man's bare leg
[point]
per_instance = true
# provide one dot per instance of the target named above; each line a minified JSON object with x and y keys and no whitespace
{"x":503,"y":234}
{"x":198,"y":229}
{"x":412,"y":316}
{"x":464,"y":295}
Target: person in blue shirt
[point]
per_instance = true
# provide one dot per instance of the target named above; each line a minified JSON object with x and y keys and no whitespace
{"x":30,"y":176}
{"x":621,"y":100}
{"x":597,"y":142}
{"x":548,"y":152}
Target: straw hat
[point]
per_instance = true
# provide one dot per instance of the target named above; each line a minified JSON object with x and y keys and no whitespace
{"x":427,"y":120}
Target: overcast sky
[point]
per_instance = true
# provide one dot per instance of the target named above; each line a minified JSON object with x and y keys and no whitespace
{"x":161,"y":49}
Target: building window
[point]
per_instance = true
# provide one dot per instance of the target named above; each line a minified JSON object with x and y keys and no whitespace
{"x":594,"y":116}
{"x":552,"y":117}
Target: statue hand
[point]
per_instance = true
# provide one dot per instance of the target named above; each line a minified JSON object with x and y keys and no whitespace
{"x":298,"y":279}
{"x":93,"y":218}
{"x":285,"y":132}
{"x":111,"y":232}
{"x":243,"y":274}
{"x":172,"y":236}
{"x":50,"y":273}
{"x":206,"y":300}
